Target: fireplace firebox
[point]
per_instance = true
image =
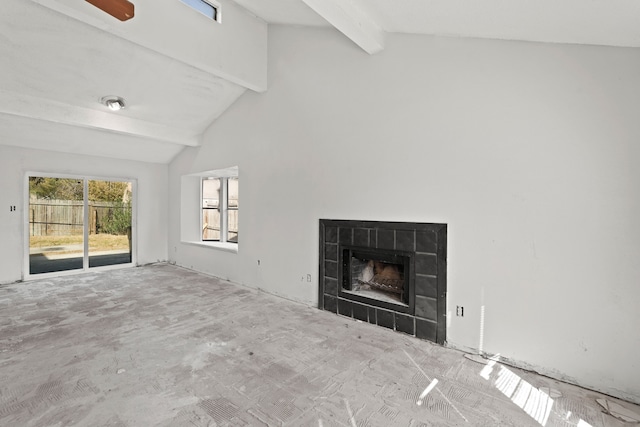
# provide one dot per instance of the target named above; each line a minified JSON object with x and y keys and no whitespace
{"x":378,"y":274}
{"x":392,"y":274}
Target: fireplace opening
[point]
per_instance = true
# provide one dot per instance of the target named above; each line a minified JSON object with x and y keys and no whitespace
{"x":377,"y":275}
{"x":377,"y":279}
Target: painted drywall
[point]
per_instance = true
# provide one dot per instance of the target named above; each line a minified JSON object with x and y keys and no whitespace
{"x":152,"y":199}
{"x":234,"y":49}
{"x":527,"y":151}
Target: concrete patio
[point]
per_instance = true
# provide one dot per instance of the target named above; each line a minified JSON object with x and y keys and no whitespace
{"x":39,"y":263}
{"x":164,"y":346}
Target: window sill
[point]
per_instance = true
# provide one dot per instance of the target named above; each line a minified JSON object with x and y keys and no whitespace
{"x":227,"y":247}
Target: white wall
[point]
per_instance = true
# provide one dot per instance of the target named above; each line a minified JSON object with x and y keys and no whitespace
{"x":527,"y":151}
{"x":235,"y":50}
{"x":151,"y":202}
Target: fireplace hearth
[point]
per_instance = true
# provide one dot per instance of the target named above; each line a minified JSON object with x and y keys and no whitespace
{"x":392,"y":274}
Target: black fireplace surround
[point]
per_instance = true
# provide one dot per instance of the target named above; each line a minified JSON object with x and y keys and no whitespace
{"x":417,"y":250}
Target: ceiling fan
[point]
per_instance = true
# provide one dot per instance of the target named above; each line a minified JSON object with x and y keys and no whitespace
{"x":119,"y":9}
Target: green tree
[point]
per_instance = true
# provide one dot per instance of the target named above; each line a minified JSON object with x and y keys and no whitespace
{"x":107,"y":191}
{"x":72,"y":189}
{"x":118,"y":220}
{"x":55,"y":188}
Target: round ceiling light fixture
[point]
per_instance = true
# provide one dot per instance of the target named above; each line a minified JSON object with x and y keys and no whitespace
{"x":114,"y":103}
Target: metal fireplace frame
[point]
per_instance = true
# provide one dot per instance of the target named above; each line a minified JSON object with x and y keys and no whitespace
{"x":345,"y":280}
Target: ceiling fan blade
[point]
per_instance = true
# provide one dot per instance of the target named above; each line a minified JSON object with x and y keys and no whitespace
{"x":120,"y":9}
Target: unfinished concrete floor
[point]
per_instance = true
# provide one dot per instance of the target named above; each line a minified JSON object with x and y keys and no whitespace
{"x":164,"y":346}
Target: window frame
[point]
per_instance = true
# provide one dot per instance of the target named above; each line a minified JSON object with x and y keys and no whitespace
{"x":230,"y":208}
{"x":223,"y":207}
{"x":215,"y":6}
{"x":191,"y":198}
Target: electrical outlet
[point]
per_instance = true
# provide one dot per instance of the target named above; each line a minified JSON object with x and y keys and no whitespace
{"x":12,"y":208}
{"x":308,"y":277}
{"x":459,"y":311}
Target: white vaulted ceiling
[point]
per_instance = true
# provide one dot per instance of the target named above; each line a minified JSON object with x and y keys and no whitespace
{"x":58,"y":61}
{"x":594,"y":22}
{"x":179,"y":71}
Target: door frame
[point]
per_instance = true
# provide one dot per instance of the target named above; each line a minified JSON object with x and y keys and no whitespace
{"x":26,"y":275}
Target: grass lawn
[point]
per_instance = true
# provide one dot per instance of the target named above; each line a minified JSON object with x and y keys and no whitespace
{"x":97,"y":242}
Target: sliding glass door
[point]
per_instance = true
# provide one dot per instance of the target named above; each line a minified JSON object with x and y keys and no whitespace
{"x":78,"y":223}
{"x":56,"y":224}
{"x":109,"y":223}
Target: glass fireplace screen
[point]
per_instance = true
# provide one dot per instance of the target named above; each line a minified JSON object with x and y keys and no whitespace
{"x":376,"y":276}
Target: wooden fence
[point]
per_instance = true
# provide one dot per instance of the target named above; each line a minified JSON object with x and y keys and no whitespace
{"x":66,"y":217}
{"x":211,"y":224}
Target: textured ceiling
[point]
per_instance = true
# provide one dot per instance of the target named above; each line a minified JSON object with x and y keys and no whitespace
{"x":59,"y":57}
{"x":57,"y":68}
{"x":596,"y":22}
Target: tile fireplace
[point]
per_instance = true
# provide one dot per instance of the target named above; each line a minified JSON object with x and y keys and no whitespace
{"x":392,"y":274}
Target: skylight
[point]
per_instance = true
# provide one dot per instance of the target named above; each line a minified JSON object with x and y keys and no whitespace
{"x":206,"y":7}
